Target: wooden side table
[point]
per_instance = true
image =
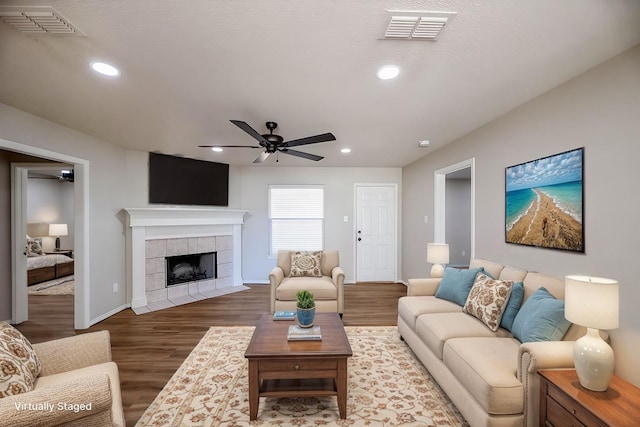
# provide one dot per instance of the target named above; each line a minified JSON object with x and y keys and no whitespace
{"x":564,"y":402}
{"x":67,"y":252}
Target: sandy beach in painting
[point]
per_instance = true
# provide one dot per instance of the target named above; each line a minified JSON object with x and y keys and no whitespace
{"x":546,"y":225}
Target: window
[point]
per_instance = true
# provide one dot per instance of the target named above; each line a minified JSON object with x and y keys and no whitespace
{"x":296,"y":217}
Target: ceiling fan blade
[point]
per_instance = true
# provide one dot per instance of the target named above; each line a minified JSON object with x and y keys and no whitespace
{"x":311,"y":140}
{"x":248,"y":129}
{"x":301,"y":154}
{"x":262,"y":157}
{"x":230,"y":146}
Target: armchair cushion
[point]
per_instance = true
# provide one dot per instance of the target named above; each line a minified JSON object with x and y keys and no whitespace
{"x":305,"y":264}
{"x":322,"y":288}
{"x":19,"y":364}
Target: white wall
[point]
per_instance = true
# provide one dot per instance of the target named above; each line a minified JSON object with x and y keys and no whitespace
{"x":107,"y":180}
{"x":248,"y":188}
{"x":51,"y":202}
{"x":5,"y":232}
{"x":339,"y":202}
{"x":599,"y":110}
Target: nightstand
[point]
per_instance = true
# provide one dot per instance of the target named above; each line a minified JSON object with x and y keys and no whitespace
{"x":564,"y":402}
{"x":67,"y":252}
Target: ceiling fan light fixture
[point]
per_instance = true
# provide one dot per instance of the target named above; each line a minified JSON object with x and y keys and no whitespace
{"x":105,"y":69}
{"x":388,"y":72}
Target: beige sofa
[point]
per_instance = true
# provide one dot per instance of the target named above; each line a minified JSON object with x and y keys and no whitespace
{"x":490,"y":376}
{"x":328,"y":290}
{"x":76,"y":371}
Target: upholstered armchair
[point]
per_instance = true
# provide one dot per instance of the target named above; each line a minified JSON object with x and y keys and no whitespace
{"x":78,"y":383}
{"x":326,"y":285}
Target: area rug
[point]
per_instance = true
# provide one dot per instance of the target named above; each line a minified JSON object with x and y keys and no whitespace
{"x":387,"y":385}
{"x":62,"y":286}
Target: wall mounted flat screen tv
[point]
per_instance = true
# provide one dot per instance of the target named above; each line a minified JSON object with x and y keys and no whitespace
{"x":182,"y":181}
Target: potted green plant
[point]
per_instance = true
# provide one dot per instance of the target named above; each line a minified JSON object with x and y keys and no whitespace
{"x":306,"y":308}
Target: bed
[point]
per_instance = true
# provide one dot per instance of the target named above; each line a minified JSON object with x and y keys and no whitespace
{"x":42,"y":267}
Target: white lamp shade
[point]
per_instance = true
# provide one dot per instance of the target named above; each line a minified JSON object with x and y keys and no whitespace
{"x":437,"y":253}
{"x":58,"y":230}
{"x":591,"y":301}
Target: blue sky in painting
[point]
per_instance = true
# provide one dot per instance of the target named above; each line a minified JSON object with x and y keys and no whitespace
{"x":552,"y":170}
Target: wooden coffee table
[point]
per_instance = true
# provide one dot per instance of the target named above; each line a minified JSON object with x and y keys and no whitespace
{"x":278,"y":367}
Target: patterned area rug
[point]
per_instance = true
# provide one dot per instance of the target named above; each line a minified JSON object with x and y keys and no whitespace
{"x":62,"y":286}
{"x":388,"y":386}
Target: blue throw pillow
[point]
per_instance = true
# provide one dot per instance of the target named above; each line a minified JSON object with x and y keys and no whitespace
{"x":541,"y":318}
{"x":513,"y":305}
{"x":456,"y":284}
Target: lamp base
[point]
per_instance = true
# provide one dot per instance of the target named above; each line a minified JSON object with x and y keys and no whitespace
{"x":437,"y":270}
{"x":594,"y":361}
{"x":57,"y":243}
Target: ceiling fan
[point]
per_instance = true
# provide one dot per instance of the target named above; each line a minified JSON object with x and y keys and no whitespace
{"x":65,"y":176}
{"x":275,"y":143}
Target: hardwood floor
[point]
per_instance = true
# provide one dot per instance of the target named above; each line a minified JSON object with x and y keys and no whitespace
{"x":150,"y":348}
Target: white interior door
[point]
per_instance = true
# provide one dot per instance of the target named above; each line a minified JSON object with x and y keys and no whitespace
{"x":376,"y":226}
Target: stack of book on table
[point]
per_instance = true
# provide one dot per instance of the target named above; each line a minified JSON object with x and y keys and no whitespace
{"x":284,"y":315}
{"x":296,"y":333}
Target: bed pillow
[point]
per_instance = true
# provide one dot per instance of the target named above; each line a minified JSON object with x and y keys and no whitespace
{"x":456,"y":284}
{"x":34,"y":247}
{"x":487,"y":300}
{"x":541,"y":318}
{"x":305,"y":264}
{"x":19,"y":364}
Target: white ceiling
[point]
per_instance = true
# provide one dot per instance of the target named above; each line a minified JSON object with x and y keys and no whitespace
{"x":188,"y":67}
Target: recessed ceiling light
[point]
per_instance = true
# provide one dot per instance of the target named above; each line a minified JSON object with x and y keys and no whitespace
{"x":217,"y":149}
{"x":423,"y":143}
{"x":105,"y":69}
{"x":388,"y":72}
{"x":345,"y":150}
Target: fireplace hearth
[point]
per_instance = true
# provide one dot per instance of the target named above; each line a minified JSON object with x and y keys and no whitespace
{"x":190,"y":268}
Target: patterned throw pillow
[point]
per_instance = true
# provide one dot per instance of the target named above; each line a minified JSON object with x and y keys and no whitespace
{"x":305,"y":264}
{"x":487,"y":300}
{"x":19,"y":364}
{"x":34,"y":247}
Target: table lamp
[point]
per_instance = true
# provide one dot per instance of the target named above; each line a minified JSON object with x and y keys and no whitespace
{"x":58,"y":230}
{"x":592,"y":302}
{"x":437,"y":254}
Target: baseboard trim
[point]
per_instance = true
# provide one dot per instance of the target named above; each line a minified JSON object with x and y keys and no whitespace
{"x":108,"y":314}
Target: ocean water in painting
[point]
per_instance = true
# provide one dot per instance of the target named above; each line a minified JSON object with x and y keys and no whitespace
{"x":517,"y":204}
{"x":566,"y":196}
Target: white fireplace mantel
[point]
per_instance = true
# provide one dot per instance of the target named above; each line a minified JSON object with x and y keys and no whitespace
{"x":161,"y":223}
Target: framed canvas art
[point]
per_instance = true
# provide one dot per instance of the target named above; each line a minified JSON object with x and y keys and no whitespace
{"x":544,"y":201}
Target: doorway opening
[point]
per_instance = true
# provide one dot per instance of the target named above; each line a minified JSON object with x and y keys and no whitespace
{"x":454,"y":210}
{"x":19,"y":177}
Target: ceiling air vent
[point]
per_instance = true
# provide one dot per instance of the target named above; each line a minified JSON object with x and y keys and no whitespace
{"x":416,"y":25}
{"x":38,"y":20}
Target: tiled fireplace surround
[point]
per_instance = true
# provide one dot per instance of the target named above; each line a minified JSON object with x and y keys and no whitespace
{"x":155,"y":233}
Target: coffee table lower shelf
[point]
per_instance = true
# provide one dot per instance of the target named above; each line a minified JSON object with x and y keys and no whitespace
{"x":298,"y":387}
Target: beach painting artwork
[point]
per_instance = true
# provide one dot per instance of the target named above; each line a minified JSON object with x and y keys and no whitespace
{"x":544,"y":202}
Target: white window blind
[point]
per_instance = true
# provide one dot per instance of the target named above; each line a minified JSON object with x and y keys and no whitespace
{"x":296,"y":217}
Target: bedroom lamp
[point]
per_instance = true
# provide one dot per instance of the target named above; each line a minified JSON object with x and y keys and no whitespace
{"x":592,"y":302}
{"x":437,"y":254}
{"x":58,"y":230}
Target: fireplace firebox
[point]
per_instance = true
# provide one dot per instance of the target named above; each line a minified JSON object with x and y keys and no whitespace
{"x":190,"y":268}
